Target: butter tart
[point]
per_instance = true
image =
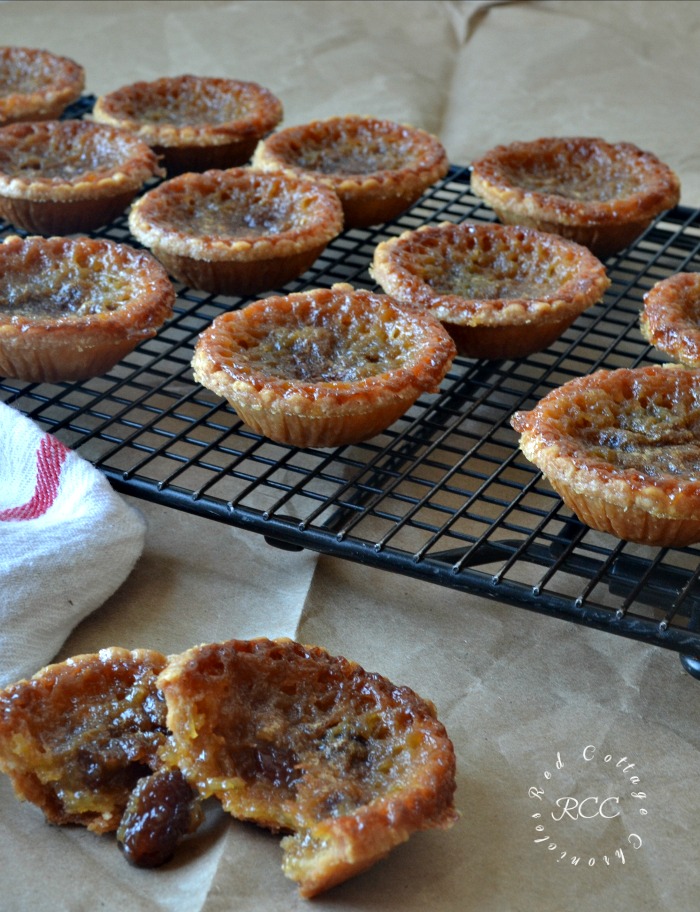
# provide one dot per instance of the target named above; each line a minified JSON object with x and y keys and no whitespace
{"x":622,"y":448}
{"x":670,"y":320}
{"x":196,"y":123}
{"x":378,"y":168}
{"x":69,"y":176}
{"x":501,"y":291}
{"x":70,"y":308}
{"x":600,"y":194}
{"x":36,"y":84}
{"x":77,"y":736}
{"x":296,"y":740}
{"x":238,"y":231}
{"x":324,"y":367}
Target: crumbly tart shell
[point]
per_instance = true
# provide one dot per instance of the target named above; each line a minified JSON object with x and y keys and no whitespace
{"x":258,"y":230}
{"x":36,"y":84}
{"x":64,"y":177}
{"x":378,"y":168}
{"x":76,"y":736}
{"x":622,"y":449}
{"x":599,"y":194}
{"x":326,"y":367}
{"x":309,"y":744}
{"x":501,"y":291}
{"x":72,"y":308}
{"x":670,"y":320}
{"x":195,"y":123}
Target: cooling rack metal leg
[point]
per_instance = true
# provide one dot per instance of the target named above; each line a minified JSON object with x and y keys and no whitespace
{"x":691,"y":663}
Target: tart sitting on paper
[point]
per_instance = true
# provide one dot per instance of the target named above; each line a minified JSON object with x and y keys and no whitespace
{"x":68,"y":176}
{"x":622,"y":448}
{"x":76,"y":737}
{"x":670,"y":320}
{"x":325,"y":367}
{"x":302,"y":742}
{"x":378,"y":168}
{"x":602,"y":195}
{"x":196,"y":123}
{"x":36,"y":84}
{"x":238,"y":231}
{"x":501,"y":291}
{"x":70,"y":308}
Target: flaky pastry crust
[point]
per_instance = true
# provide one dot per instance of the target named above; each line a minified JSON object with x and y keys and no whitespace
{"x":600,"y":194}
{"x":76,"y":737}
{"x":622,"y":448}
{"x":61,"y":177}
{"x":196,"y":123}
{"x":670,"y":320}
{"x":501,"y":291}
{"x":302,"y":742}
{"x":71,"y":308}
{"x":36,"y":84}
{"x":378,"y":168}
{"x":324,"y":367}
{"x":238,"y":231}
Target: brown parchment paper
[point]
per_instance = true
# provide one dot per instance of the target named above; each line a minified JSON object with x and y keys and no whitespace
{"x":547,"y":718}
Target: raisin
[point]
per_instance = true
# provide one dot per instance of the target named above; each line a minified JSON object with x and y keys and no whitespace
{"x":162,"y":809}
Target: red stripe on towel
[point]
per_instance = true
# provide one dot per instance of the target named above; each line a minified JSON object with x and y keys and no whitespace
{"x":50,"y":457}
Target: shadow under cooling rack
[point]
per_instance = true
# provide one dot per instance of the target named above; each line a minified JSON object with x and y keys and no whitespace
{"x":444,"y":495}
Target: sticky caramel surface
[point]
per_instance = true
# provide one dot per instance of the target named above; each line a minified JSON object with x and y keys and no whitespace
{"x":75,"y":738}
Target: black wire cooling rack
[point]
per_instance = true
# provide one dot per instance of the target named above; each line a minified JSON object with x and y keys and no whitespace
{"x":444,"y":495}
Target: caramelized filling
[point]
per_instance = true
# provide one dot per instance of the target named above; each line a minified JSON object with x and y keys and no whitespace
{"x":77,"y":737}
{"x":320,"y":354}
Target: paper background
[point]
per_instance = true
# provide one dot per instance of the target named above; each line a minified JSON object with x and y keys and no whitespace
{"x":515,"y":689}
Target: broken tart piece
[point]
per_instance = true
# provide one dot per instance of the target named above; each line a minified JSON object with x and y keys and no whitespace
{"x":301,"y":742}
{"x":77,"y":736}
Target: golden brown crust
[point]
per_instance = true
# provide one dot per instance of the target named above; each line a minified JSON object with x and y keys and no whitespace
{"x":197,"y":123}
{"x":600,"y":194}
{"x":501,"y":291}
{"x":238,"y":231}
{"x":378,"y":168}
{"x":36,"y":84}
{"x":72,"y":308}
{"x":324,"y":367}
{"x":622,"y":448}
{"x":302,"y":742}
{"x":76,"y":736}
{"x":61,"y":177}
{"x":670,"y":320}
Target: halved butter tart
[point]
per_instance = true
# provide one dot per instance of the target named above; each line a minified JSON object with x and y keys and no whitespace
{"x":305,"y":743}
{"x":622,"y":448}
{"x":324,"y":367}
{"x":343,"y":762}
{"x":501,"y":291}
{"x":670,"y":319}
{"x":602,"y":195}
{"x":377,"y":167}
{"x":196,"y":123}
{"x":36,"y":84}
{"x":71,"y":308}
{"x":238,"y":231}
{"x":67,"y":176}
{"x":76,"y":737}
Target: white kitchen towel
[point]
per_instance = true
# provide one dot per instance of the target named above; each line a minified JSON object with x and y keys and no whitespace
{"x":67,"y":542}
